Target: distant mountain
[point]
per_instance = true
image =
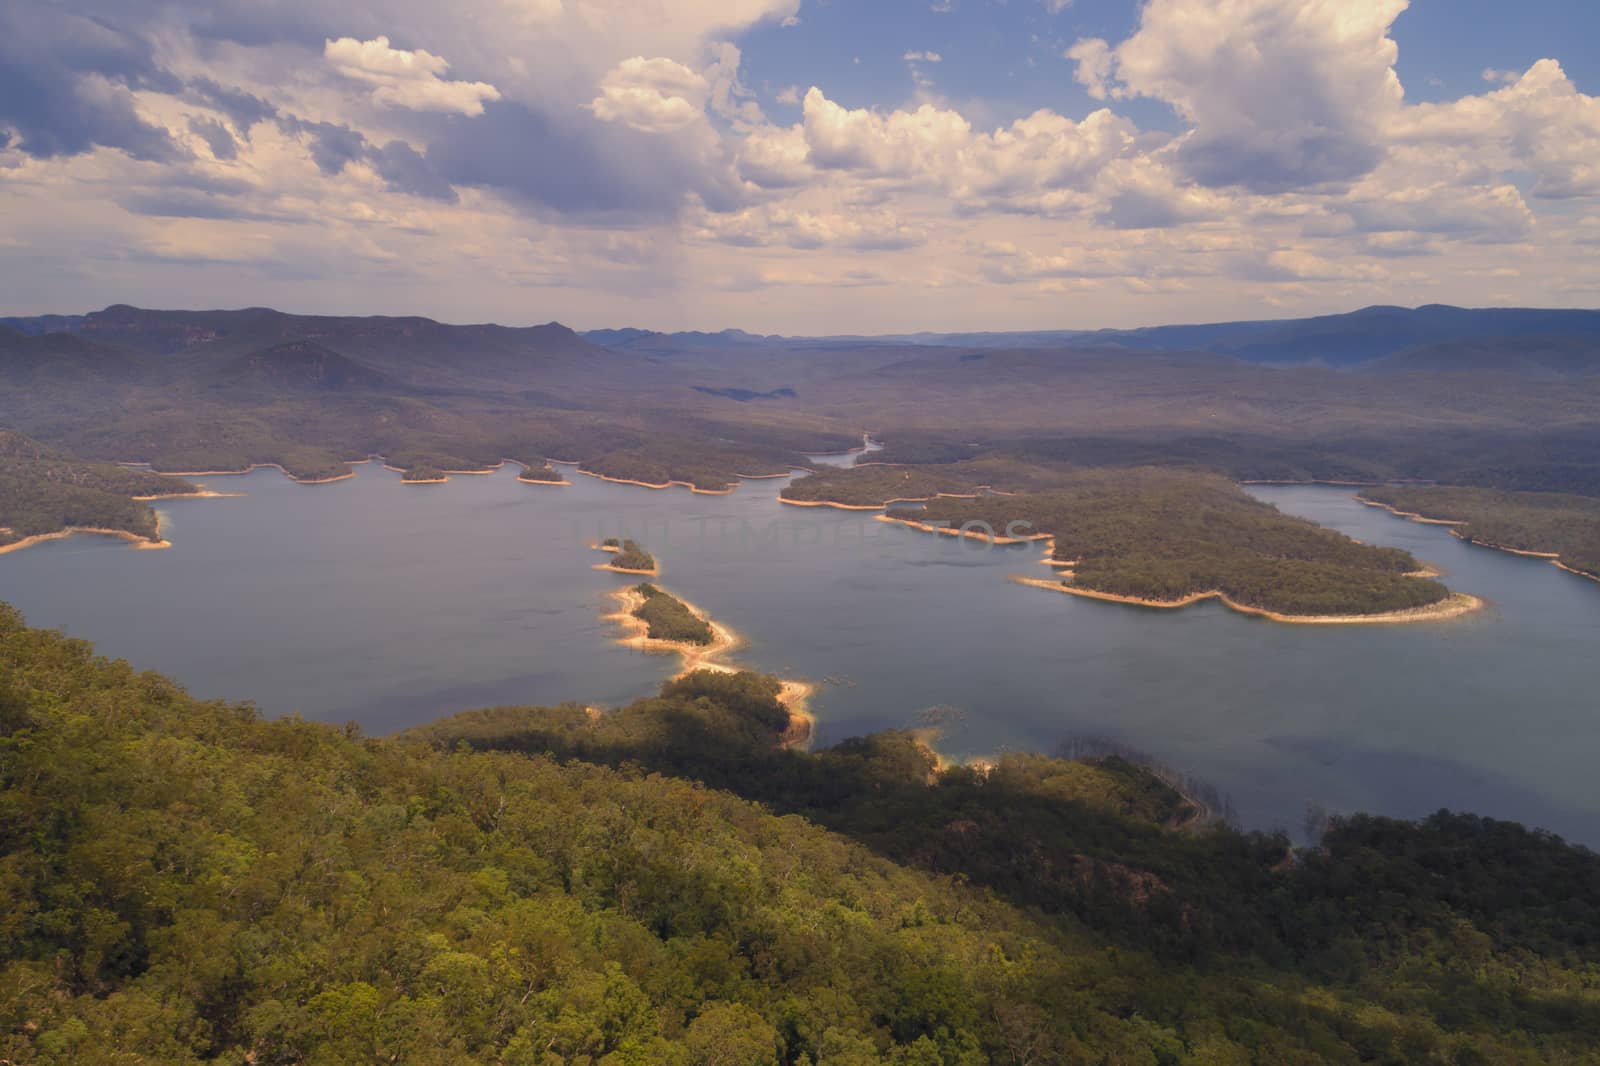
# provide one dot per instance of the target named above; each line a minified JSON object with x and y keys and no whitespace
{"x":1333,"y":340}
{"x":410,"y":350}
{"x":38,"y":324}
{"x":1550,"y":357}
{"x":649,"y":342}
{"x":298,"y":366}
{"x":1357,"y":337}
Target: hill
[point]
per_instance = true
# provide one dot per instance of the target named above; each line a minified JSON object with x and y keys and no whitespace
{"x":63,"y":358}
{"x":296,"y":366}
{"x":413,"y":350}
{"x":1334,"y":340}
{"x":1549,"y":357}
{"x":188,"y":883}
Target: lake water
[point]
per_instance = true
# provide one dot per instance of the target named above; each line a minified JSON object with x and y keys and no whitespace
{"x":389,"y":605}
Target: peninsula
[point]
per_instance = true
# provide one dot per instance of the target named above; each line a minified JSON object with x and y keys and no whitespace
{"x":46,"y":495}
{"x":1560,"y":527}
{"x":657,"y":621}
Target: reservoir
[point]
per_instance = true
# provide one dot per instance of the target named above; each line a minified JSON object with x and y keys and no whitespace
{"x":385,"y":604}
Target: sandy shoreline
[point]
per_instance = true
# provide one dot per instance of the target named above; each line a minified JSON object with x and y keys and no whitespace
{"x":1456,"y":605}
{"x":665,"y":485}
{"x":203,"y":494}
{"x":138,"y":542}
{"x":254,"y":467}
{"x":878,"y":506}
{"x":1553,"y":558}
{"x":956,"y":531}
{"x":793,"y":695}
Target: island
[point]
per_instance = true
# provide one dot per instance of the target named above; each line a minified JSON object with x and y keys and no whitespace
{"x":1561,"y":527}
{"x":667,"y":619}
{"x":627,"y":558}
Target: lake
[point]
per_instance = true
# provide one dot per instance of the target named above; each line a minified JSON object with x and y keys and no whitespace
{"x":386,"y":604}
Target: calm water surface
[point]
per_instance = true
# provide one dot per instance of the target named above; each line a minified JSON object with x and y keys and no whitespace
{"x":387,"y":604}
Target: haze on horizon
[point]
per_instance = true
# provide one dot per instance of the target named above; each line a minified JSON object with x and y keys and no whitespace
{"x":794,"y":166}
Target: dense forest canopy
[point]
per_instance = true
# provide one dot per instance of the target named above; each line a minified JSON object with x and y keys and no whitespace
{"x":630,"y":556}
{"x":44,"y":491}
{"x":186,"y":882}
{"x":668,"y":618}
{"x":1148,"y":533}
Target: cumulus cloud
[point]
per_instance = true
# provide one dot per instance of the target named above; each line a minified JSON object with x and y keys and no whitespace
{"x":1279,"y":94}
{"x":655,"y":95}
{"x":1016,"y":167}
{"x":1539,"y":122}
{"x":1091,"y":57}
{"x":548,"y":142}
{"x":407,"y":79}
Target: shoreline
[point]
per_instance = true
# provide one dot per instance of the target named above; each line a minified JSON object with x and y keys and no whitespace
{"x":985,"y":538}
{"x":1317,"y":481}
{"x":137,"y":542}
{"x":885,"y":505}
{"x":1453,"y":606}
{"x":666,"y":485}
{"x":252,"y":468}
{"x":1456,"y":605}
{"x":203,"y":494}
{"x":1553,"y":558}
{"x":614,"y":569}
{"x":793,"y":695}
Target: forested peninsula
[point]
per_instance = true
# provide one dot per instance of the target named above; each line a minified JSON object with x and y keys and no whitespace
{"x":187,"y":882}
{"x":1154,"y":536}
{"x":1563,"y":527}
{"x":45,"y":493}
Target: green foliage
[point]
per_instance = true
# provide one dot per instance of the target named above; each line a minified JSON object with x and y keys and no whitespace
{"x":669,"y":618}
{"x":1545,"y":522}
{"x":629,"y":556}
{"x":183,"y":882}
{"x":45,"y":491}
{"x":1163,"y":535}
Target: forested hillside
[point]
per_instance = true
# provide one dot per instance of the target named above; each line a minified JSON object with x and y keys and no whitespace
{"x":44,"y":491}
{"x":1148,"y":533}
{"x":185,"y":882}
{"x":1550,"y":523}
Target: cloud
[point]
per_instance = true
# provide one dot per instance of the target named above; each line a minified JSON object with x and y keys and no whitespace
{"x":1092,"y":57}
{"x":217,"y":137}
{"x":654,"y":95}
{"x":407,"y":79}
{"x":67,"y":85}
{"x":1015,"y":166}
{"x":1539,"y":122}
{"x":1279,"y":94}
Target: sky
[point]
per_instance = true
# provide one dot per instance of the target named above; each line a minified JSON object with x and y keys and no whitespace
{"x":800,"y":166}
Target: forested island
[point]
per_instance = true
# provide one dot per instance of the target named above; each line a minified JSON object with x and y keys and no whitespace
{"x":44,"y":493}
{"x":1559,"y":525}
{"x":667,"y":618}
{"x":187,"y":882}
{"x":627,"y":557}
